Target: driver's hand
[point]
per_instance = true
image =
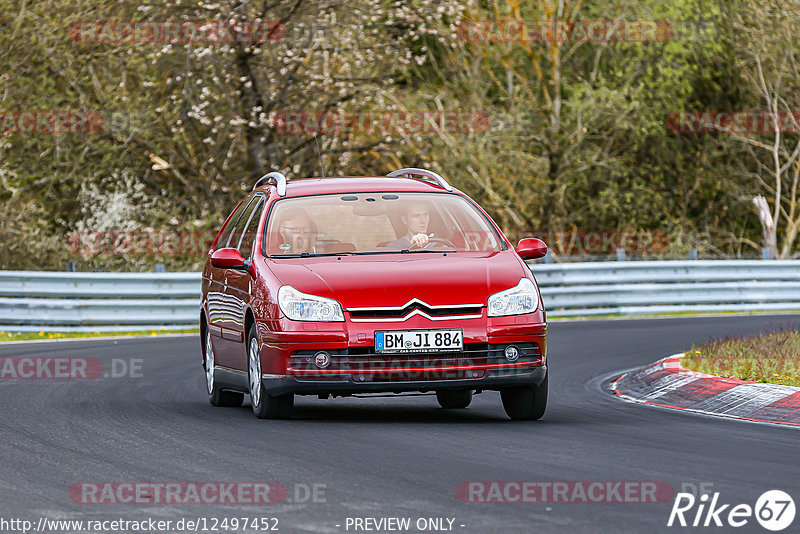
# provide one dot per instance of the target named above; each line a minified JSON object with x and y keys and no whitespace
{"x":420,"y":240}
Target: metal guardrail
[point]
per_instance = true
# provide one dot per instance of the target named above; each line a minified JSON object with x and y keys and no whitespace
{"x":654,"y":287}
{"x":133,"y":301}
{"x":32,"y":301}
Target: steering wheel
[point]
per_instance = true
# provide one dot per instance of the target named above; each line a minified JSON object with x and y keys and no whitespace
{"x":434,"y":242}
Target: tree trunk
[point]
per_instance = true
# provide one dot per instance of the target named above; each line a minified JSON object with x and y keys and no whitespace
{"x":768,"y":230}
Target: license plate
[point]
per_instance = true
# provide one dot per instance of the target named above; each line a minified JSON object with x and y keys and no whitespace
{"x":419,"y":340}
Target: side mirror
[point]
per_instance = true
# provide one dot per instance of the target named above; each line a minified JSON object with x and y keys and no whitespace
{"x":228,"y":258}
{"x":531,"y":248}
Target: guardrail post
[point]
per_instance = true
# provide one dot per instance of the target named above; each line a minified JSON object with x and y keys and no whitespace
{"x":620,"y":254}
{"x":71,"y":267}
{"x":548,"y":258}
{"x":160,"y":268}
{"x":692,"y":253}
{"x":766,"y":254}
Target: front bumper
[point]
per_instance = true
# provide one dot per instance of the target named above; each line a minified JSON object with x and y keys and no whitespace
{"x":350,"y":386}
{"x":288,"y":349}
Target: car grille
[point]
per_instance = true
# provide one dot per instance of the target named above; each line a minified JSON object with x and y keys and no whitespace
{"x":477,"y":360}
{"x":414,"y":307}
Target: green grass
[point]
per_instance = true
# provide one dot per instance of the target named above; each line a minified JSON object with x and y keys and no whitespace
{"x":773,"y":357}
{"x":29,"y":336}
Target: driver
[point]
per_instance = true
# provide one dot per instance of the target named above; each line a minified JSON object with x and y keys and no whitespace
{"x":416,"y":217}
{"x":297,"y":232}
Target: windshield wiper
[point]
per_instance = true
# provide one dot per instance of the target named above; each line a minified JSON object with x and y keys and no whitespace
{"x":418,"y":250}
{"x":398,"y":251}
{"x":370,"y":253}
{"x":308,"y":255}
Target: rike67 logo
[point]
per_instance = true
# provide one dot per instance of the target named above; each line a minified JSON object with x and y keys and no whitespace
{"x":774,"y":510}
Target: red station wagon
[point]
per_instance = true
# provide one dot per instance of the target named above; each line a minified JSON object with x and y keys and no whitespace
{"x":352,"y":285}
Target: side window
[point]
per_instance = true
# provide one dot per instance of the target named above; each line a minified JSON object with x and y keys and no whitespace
{"x":238,"y":230}
{"x":225,"y":236}
{"x":245,"y":244}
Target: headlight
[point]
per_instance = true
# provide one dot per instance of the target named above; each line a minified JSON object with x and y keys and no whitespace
{"x":515,"y":301}
{"x":299,"y":306}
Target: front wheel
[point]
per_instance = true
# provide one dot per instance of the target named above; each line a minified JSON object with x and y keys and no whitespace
{"x":265,"y":406}
{"x":526,"y":403}
{"x":217,"y":397}
{"x":454,"y":399}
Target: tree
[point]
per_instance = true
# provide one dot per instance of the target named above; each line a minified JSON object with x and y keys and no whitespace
{"x":190,"y":115}
{"x":770,"y":67}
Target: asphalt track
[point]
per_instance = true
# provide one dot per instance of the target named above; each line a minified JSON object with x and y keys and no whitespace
{"x":386,"y":457}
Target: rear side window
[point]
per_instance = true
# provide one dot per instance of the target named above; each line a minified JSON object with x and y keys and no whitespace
{"x":238,"y":230}
{"x":229,"y":228}
{"x":245,"y":243}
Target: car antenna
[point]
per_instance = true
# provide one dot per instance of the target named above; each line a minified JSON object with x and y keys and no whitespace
{"x":320,"y":156}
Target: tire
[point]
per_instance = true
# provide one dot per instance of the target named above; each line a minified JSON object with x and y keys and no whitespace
{"x":265,"y":406}
{"x":216,"y":396}
{"x":454,"y":398}
{"x":525,"y":404}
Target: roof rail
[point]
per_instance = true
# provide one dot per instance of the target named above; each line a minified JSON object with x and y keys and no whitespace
{"x":273,"y":178}
{"x":413,"y":171}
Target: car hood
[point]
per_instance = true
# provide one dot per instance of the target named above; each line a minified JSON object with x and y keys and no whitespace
{"x":393,"y":280}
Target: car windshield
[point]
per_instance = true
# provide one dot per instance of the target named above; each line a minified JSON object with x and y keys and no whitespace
{"x":377,"y":223}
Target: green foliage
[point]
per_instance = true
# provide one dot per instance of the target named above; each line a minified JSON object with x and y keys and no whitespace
{"x":577,"y":140}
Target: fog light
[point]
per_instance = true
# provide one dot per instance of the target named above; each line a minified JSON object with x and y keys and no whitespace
{"x":322,"y":359}
{"x":512,"y":353}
